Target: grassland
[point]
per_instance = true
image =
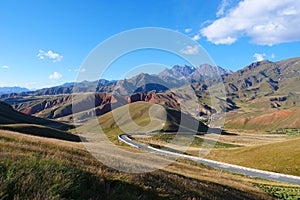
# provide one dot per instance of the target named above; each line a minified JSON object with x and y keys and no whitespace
{"x":42,"y":168}
{"x":46,"y":168}
{"x":248,"y":138}
{"x":282,"y":157}
{"x":266,"y":152}
{"x":184,"y":140}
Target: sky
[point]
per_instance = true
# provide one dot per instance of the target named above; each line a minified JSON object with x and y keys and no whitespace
{"x":44,"y":43}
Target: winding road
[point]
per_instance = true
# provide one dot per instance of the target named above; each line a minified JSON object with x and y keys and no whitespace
{"x":219,"y":165}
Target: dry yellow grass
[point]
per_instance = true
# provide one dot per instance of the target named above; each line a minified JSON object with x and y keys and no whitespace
{"x":183,"y":179}
{"x":246,"y":139}
{"x":282,"y":157}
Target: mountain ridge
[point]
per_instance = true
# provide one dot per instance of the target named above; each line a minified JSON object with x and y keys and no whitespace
{"x":14,"y":89}
{"x":193,"y":73}
{"x":128,"y":86}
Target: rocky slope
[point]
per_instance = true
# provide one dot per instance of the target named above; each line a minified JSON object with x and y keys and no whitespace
{"x":190,"y":73}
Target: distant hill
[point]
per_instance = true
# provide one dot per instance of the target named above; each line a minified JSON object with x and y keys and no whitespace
{"x":144,"y":83}
{"x":267,"y":121}
{"x":9,"y":90}
{"x":265,"y":78}
{"x":67,"y":88}
{"x":139,"y":112}
{"x":60,"y":106}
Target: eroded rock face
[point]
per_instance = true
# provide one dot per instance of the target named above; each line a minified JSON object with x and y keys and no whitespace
{"x":89,"y":105}
{"x":169,"y":100}
{"x":61,"y":106}
{"x":34,"y":109}
{"x":136,"y":97}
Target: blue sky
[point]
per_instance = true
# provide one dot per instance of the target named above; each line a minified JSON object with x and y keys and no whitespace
{"x":44,"y":43}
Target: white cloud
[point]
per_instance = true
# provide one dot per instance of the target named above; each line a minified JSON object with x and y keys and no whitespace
{"x":266,"y":22}
{"x":259,"y":57}
{"x":262,"y":56}
{"x":5,"y":67}
{"x":196,"y":37}
{"x":55,"y":57}
{"x":55,"y":75}
{"x":190,"y":50}
{"x":222,"y":8}
{"x":188,"y":30}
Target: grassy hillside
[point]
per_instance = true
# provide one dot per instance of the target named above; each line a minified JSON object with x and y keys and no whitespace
{"x":282,"y":157}
{"x":42,"y":131}
{"x":40,"y":168}
{"x":163,"y":119}
{"x":19,"y":122}
{"x":9,"y":116}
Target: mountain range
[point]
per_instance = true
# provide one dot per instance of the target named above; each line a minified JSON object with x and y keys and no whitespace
{"x":169,"y":78}
{"x":255,"y":94}
{"x":15,"y":89}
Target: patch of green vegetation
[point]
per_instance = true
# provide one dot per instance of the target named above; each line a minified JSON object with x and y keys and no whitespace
{"x":293,"y":133}
{"x":196,"y":141}
{"x":287,"y":131}
{"x":281,"y":192}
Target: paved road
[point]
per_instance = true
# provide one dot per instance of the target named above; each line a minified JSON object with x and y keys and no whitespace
{"x":219,"y":165}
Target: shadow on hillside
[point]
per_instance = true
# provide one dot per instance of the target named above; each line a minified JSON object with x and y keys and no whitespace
{"x":41,"y":131}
